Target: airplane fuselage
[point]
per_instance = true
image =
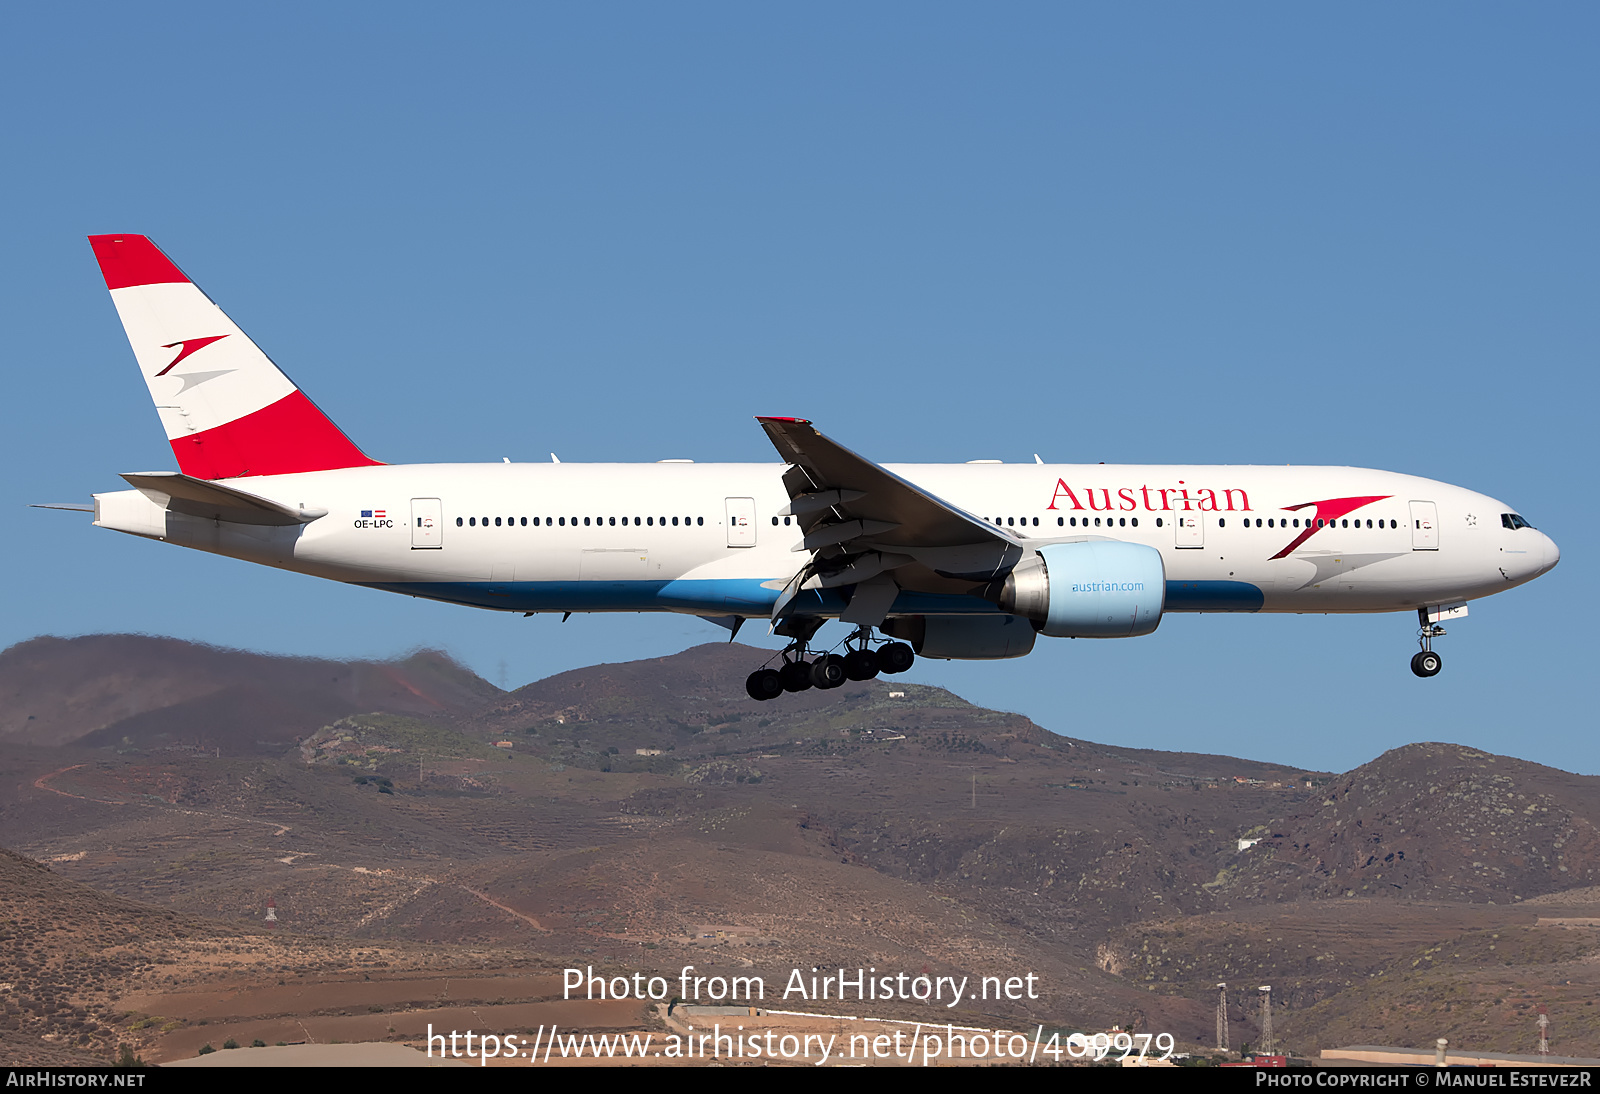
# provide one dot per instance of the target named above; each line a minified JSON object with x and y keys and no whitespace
{"x":707,"y":539}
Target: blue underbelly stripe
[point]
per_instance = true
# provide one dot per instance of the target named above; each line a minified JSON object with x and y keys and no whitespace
{"x":749,"y":597}
{"x":1213,"y":596}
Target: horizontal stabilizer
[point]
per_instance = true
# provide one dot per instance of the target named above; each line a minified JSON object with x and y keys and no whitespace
{"x":213,"y":501}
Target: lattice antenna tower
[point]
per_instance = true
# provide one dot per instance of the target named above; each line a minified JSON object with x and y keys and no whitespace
{"x":1544,"y":1031}
{"x":1222,"y":1017}
{"x":1267,"y":1047}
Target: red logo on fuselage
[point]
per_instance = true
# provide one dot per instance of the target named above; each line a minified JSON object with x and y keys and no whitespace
{"x":1327,"y":512}
{"x":186,"y":347}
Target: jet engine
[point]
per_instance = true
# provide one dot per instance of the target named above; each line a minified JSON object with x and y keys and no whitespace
{"x":1087,"y":589}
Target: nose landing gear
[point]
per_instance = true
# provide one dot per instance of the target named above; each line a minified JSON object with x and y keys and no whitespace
{"x":1426,"y":663}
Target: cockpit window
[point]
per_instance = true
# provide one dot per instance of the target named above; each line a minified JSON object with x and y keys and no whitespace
{"x":1512,"y":521}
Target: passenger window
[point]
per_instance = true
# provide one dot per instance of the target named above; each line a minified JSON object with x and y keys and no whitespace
{"x":458,"y":522}
{"x":674,"y":522}
{"x":1136,"y":522}
{"x":1221,"y":523}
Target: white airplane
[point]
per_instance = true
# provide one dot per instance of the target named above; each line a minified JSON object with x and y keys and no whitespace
{"x":964,"y":561}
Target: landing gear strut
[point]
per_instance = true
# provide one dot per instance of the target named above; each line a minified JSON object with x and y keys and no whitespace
{"x":1427,"y":663}
{"x":829,"y":670}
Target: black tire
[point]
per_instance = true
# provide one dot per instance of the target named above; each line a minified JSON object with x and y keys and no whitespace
{"x":763,"y":685}
{"x":861,"y":664}
{"x":827,"y":671}
{"x":896,"y":657}
{"x":796,"y":676}
{"x":1427,"y":663}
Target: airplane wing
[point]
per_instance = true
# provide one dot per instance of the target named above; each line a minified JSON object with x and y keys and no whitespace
{"x":865,"y":526}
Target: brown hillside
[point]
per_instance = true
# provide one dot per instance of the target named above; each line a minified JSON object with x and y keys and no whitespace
{"x":649,"y":815}
{"x":1433,"y":822}
{"x":143,"y":692}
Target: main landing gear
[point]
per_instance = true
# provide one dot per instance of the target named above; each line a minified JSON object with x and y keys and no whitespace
{"x":829,"y":670}
{"x":1427,"y":663}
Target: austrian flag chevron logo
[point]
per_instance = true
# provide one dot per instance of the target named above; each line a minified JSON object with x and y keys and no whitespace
{"x":186,"y":347}
{"x":1327,"y":512}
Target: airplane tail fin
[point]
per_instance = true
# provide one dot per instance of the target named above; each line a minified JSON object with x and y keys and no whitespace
{"x":229,"y":412}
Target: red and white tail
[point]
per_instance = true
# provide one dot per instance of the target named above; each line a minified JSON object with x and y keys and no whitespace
{"x":228,"y":410}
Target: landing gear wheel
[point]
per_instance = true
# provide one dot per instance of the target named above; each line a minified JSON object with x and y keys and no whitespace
{"x":861,"y":664}
{"x":1427,"y":663}
{"x":828,"y":671}
{"x":896,"y":657}
{"x":764,"y":684}
{"x":796,"y":676}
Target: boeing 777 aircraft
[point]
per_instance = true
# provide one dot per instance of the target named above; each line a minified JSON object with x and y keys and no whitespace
{"x":970,"y":561}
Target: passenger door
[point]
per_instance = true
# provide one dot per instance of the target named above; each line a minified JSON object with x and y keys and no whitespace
{"x":1424,"y":526}
{"x":741,"y":522}
{"x":1190,"y":530}
{"x":427,"y":523}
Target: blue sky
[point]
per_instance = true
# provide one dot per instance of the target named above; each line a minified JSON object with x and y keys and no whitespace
{"x":1242,"y":233}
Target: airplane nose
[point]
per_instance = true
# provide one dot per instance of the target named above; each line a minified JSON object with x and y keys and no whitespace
{"x":1552,"y":554}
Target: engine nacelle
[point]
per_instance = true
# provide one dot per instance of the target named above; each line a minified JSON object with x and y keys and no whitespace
{"x":1089,"y":589}
{"x":964,"y":637}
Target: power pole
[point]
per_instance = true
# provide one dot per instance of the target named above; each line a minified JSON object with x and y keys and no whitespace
{"x":1222,"y":1017}
{"x":1267,"y":1047}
